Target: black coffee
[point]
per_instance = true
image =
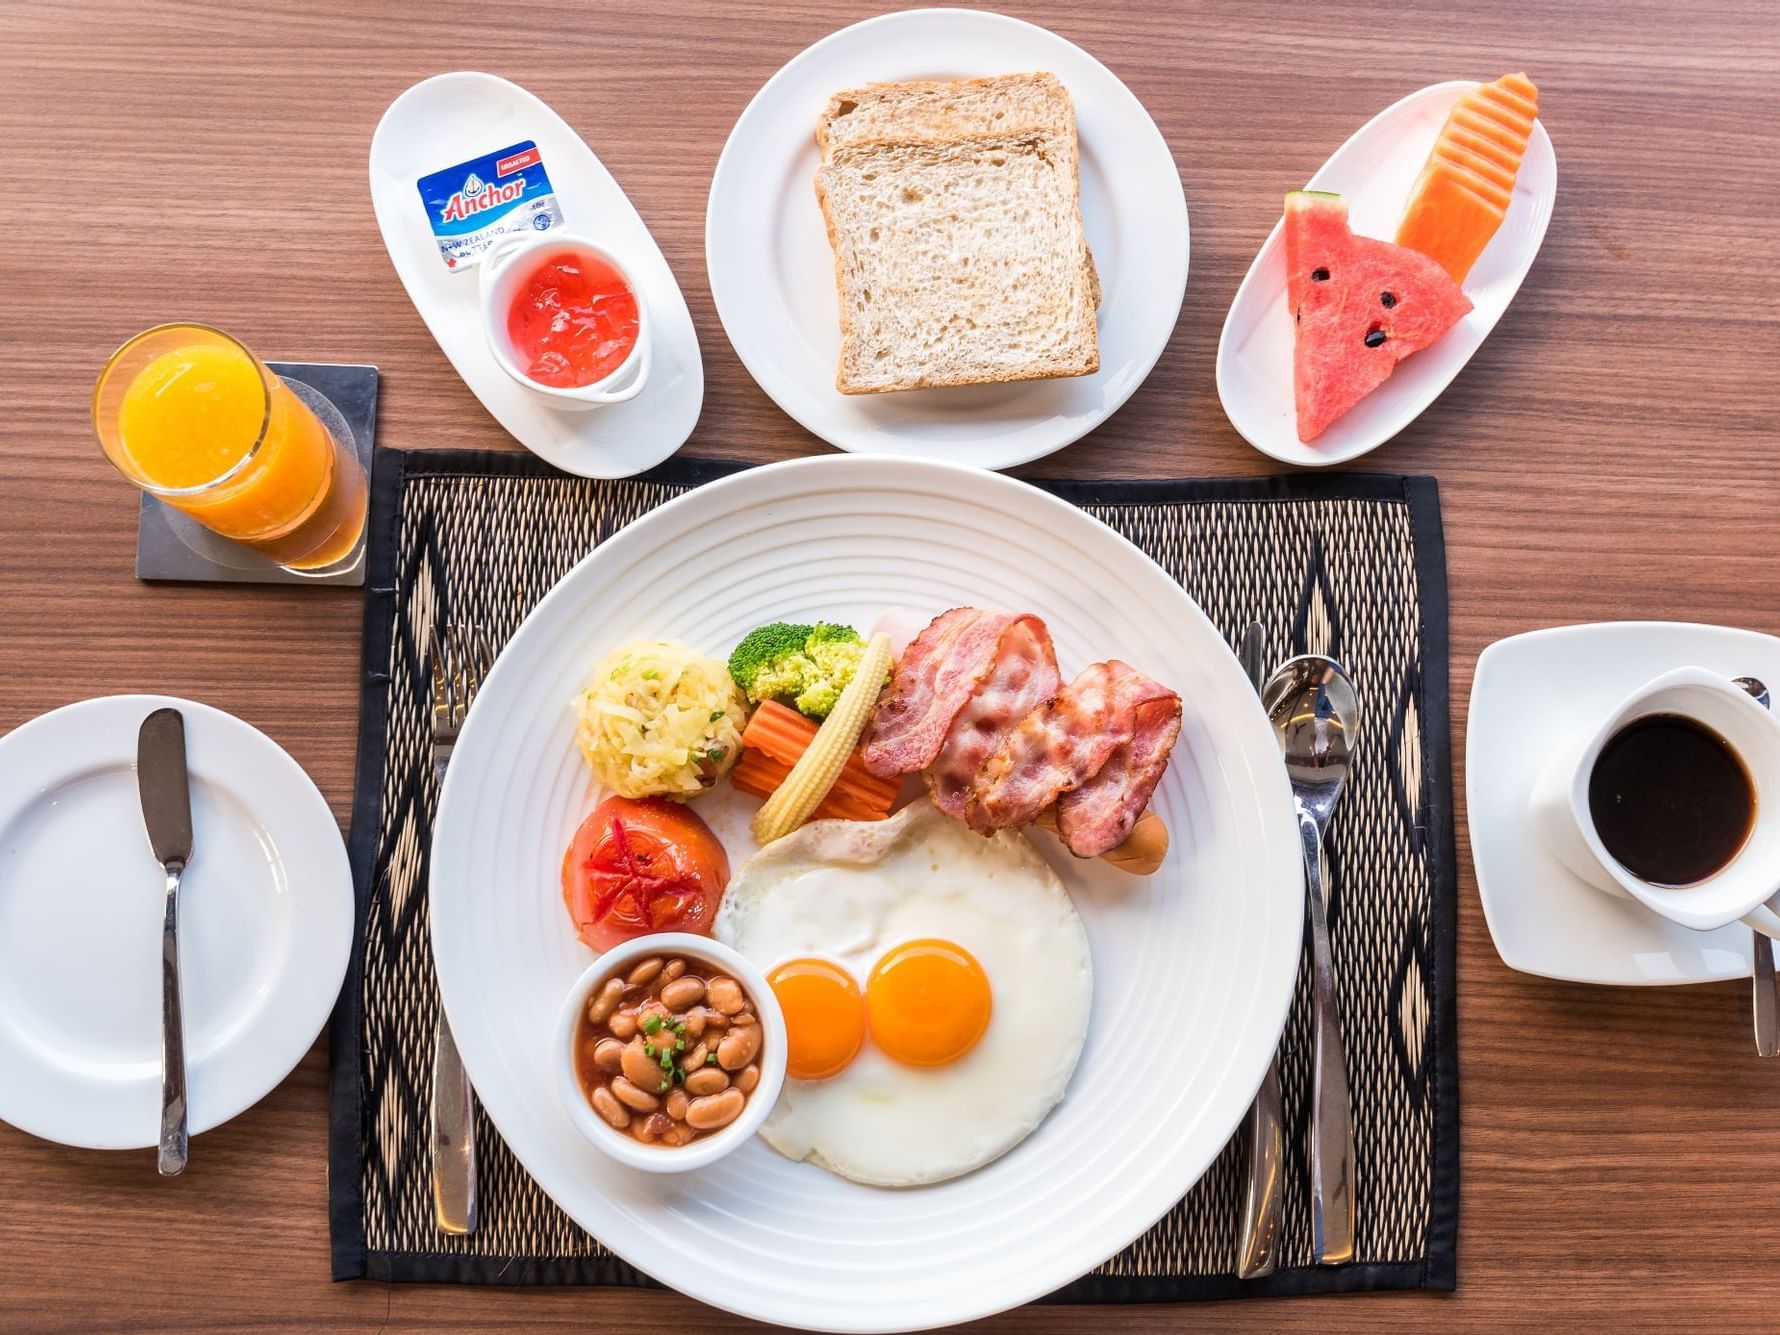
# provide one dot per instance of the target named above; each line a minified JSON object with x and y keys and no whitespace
{"x":1671,"y":800}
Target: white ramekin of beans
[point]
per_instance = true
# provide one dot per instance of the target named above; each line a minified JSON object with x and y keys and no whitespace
{"x":670,"y":1051}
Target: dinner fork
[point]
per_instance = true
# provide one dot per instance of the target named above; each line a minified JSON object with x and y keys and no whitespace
{"x":460,"y":661}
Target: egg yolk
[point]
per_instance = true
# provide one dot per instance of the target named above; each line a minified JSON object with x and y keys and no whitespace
{"x":927,"y":1002}
{"x":824,"y":1017}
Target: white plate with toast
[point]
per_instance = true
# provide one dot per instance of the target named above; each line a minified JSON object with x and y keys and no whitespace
{"x":781,"y":291}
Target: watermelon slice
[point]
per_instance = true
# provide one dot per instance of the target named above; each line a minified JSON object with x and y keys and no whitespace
{"x":1360,"y":306}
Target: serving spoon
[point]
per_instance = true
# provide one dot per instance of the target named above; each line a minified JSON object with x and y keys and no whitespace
{"x":1315,"y":715}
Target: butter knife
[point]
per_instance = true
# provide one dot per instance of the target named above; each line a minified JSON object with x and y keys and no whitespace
{"x":165,"y":793}
{"x":1264,"y":1186}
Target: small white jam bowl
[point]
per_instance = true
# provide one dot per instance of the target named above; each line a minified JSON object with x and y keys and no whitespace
{"x":620,"y":1145}
{"x":504,"y":267}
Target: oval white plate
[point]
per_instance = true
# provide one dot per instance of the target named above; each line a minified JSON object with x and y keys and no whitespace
{"x":1375,"y":171}
{"x":450,"y":118}
{"x":1211,"y":942}
{"x":772,"y":271}
{"x":265,"y":923}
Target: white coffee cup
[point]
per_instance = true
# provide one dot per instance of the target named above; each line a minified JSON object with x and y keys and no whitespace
{"x":505,"y":267}
{"x":1748,"y":886}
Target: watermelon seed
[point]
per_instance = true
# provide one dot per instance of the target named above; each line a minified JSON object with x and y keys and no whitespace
{"x":1375,"y":337}
{"x":1389,"y":299}
{"x":1319,"y":275}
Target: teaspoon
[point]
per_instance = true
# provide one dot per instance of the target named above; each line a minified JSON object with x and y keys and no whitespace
{"x":1315,"y":715}
{"x":1761,"y":949}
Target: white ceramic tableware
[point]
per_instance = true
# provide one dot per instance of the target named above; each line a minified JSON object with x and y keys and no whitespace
{"x":1745,"y":888}
{"x":1211,"y":941}
{"x":772,"y":270}
{"x":1535,"y":691}
{"x":1375,"y":172}
{"x":451,"y":118}
{"x":265,"y":909}
{"x":507,"y":264}
{"x":706,"y":1150}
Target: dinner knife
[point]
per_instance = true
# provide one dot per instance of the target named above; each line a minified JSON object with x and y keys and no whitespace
{"x":165,"y":793}
{"x":460,"y":663}
{"x":1265,"y":1184}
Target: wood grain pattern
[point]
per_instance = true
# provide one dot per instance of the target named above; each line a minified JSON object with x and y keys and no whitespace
{"x":1607,"y":454}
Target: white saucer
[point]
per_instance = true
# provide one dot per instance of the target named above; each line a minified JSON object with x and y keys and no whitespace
{"x":1374,"y":171}
{"x":772,"y":270}
{"x":265,"y":923}
{"x":1530,"y":690}
{"x":451,"y":118}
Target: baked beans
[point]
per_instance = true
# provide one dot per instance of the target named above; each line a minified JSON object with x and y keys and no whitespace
{"x":669,"y":1052}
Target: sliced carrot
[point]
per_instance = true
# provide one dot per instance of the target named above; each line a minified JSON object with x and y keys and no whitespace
{"x":771,"y":743}
{"x":758,"y":775}
{"x":860,"y":790}
{"x":1468,"y":183}
{"x":779,"y":731}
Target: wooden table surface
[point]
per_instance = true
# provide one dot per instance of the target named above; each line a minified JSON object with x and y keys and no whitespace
{"x":1606,"y":455}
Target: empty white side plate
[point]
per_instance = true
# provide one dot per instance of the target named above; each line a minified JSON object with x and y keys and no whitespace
{"x":1375,"y":172}
{"x":265,"y":923}
{"x":451,"y":118}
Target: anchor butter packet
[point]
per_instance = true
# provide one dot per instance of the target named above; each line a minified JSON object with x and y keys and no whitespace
{"x":473,"y":204}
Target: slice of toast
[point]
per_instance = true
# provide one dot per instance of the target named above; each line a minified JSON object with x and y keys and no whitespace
{"x":959,"y":261}
{"x":957,"y":109}
{"x":949,"y":109}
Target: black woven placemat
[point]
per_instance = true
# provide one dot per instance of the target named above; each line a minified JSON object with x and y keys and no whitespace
{"x":1351,"y":565}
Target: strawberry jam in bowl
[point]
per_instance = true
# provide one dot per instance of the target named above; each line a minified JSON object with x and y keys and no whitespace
{"x":564,"y":319}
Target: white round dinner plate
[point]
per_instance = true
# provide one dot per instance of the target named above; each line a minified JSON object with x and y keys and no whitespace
{"x":772,"y":270}
{"x":265,"y":923}
{"x":1203,"y":954}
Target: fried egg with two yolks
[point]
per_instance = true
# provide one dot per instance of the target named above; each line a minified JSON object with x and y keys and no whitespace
{"x":935,"y":985}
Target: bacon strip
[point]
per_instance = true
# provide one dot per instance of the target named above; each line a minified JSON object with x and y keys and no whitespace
{"x":1057,"y":747}
{"x":935,"y":678}
{"x":1098,"y":816}
{"x":1021,"y":677}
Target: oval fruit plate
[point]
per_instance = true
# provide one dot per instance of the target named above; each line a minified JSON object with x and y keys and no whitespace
{"x":1375,"y":172}
{"x":1210,"y":941}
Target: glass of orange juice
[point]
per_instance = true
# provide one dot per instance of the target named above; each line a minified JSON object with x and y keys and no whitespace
{"x":192,"y":417}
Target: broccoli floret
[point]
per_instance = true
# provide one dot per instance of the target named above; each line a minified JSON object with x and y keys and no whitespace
{"x":760,"y":651}
{"x":806,"y":667}
{"x":834,"y":661}
{"x":827,"y":632}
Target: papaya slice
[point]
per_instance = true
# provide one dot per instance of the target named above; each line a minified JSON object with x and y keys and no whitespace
{"x":1464,"y":190}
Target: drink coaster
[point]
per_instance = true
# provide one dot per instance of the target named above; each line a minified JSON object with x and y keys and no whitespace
{"x":171,"y":546}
